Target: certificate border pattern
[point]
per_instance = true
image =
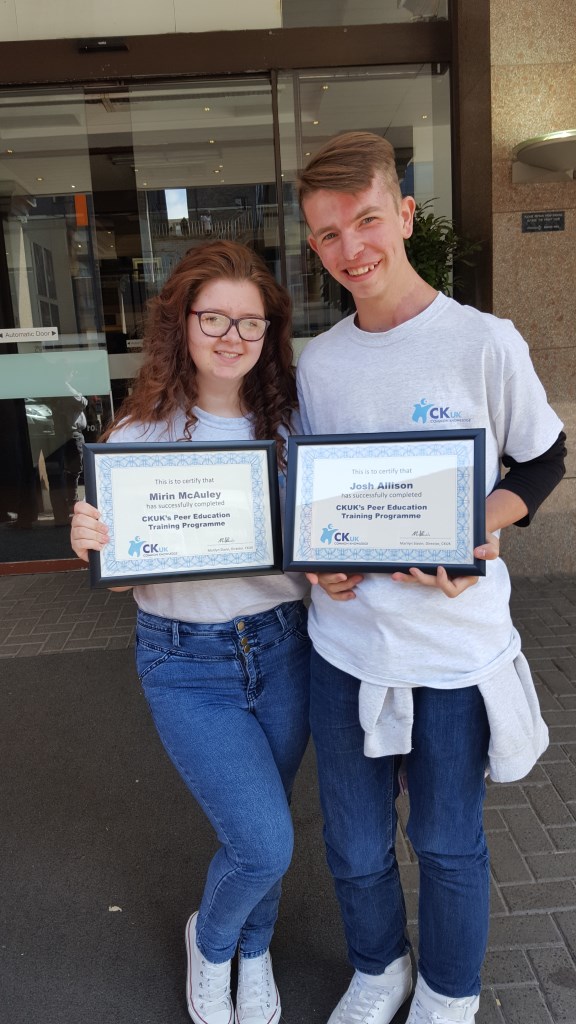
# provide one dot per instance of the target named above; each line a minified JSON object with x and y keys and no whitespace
{"x":261,"y":555}
{"x":464,"y":526}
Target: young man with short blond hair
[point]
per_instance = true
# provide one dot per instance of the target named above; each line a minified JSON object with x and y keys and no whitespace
{"x":398,"y":667}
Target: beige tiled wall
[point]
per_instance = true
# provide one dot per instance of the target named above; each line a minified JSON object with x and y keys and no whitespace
{"x":533,"y":53}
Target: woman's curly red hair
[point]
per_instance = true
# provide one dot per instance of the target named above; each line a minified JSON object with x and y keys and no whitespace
{"x":166,"y":383}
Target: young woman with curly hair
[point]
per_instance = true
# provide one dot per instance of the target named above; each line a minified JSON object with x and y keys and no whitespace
{"x":224,"y":662}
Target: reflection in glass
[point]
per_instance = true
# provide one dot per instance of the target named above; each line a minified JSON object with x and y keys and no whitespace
{"x":204,"y":168}
{"x":303,"y":13}
{"x":45,"y":202}
{"x":407,"y":104}
{"x":53,"y":301}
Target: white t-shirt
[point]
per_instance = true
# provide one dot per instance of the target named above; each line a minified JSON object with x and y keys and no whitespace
{"x":451,"y":366}
{"x":215,"y":600}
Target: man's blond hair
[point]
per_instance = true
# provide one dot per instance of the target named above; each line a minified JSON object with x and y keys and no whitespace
{"x":348,"y":163}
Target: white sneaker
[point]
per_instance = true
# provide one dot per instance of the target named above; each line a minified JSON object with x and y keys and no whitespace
{"x":207,"y":985}
{"x":375,"y":998}
{"x":430,"y":1007}
{"x":257,"y":1000}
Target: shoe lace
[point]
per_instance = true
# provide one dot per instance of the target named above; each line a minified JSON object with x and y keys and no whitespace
{"x":361,"y":1002}
{"x":422,"y":1015}
{"x":214,"y":985}
{"x":418,"y":1015}
{"x":255,"y":987}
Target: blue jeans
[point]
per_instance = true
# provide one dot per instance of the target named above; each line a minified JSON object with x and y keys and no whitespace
{"x":230,"y":703}
{"x":446,"y":786}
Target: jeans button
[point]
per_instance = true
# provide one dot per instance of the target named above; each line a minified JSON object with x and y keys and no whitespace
{"x":240,"y":625}
{"x":246,"y":648}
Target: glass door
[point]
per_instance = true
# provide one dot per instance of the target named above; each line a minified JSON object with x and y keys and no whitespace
{"x":54,"y":381}
{"x":102,"y":192}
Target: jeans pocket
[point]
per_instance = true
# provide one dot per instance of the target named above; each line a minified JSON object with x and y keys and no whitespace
{"x":148,"y":658}
{"x":301,"y":625}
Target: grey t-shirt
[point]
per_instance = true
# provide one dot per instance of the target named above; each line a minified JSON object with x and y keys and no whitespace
{"x":451,"y":366}
{"x":216,"y":600}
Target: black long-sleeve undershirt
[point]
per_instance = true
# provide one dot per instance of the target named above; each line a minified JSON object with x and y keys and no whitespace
{"x":534,"y":480}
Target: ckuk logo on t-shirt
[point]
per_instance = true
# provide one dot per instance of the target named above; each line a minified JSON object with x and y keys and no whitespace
{"x":425,"y":412}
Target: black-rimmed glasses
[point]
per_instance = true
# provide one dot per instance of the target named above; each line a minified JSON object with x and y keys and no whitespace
{"x":216,"y":325}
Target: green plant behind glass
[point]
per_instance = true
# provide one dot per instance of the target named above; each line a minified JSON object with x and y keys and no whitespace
{"x":434,"y":247}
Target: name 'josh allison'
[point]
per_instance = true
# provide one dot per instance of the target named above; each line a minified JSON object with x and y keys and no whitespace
{"x":383,"y":485}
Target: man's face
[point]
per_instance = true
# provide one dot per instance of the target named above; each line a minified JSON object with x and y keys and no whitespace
{"x":360,"y":238}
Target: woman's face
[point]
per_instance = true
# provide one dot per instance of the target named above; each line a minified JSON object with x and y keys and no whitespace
{"x":227,"y":359}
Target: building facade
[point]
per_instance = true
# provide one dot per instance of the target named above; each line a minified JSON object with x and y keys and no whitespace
{"x":129,"y":135}
{"x":533,"y":88}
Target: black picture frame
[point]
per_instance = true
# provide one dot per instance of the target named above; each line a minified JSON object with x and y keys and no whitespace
{"x":304,"y":552}
{"x":121,"y":564}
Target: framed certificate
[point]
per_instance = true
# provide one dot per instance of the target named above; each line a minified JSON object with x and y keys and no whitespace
{"x":386,"y":502}
{"x":184,"y":511}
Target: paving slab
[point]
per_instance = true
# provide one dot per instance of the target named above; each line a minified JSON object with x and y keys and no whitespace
{"x":530,"y":970}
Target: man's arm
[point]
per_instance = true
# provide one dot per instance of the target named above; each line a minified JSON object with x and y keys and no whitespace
{"x":534,"y":480}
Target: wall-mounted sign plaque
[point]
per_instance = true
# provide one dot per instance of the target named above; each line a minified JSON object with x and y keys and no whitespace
{"x":548,"y":220}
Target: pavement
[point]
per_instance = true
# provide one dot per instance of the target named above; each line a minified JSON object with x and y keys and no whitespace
{"x":530,"y":970}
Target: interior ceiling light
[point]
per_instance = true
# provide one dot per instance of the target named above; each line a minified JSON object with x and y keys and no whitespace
{"x":393,"y":71}
{"x":148,"y":95}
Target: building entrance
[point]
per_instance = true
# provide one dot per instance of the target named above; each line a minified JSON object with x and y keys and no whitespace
{"x":102,"y":192}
